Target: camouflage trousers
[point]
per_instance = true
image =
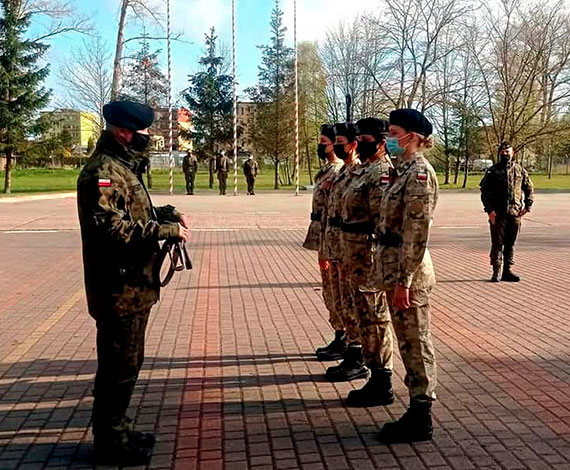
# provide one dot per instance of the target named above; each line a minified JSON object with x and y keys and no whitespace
{"x":412,"y":328}
{"x":504,"y":234}
{"x":330,"y":296}
{"x":222,"y":182}
{"x":120,"y":355}
{"x":340,"y":295}
{"x":370,"y":311}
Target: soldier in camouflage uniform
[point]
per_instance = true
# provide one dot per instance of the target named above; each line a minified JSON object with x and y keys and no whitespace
{"x":507,"y":195}
{"x":223,"y":169}
{"x":352,"y":367}
{"x":190,"y":168}
{"x":406,"y":267}
{"x":314,"y":240}
{"x":120,"y":230}
{"x":360,"y":218}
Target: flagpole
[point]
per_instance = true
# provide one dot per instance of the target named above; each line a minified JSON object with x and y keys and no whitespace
{"x":296,"y":99}
{"x":234,"y":67}
{"x":170,"y":123}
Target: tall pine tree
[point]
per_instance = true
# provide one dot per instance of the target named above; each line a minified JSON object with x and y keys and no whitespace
{"x":144,"y":81}
{"x":275,"y":115}
{"x":22,"y":93}
{"x":210,"y":100}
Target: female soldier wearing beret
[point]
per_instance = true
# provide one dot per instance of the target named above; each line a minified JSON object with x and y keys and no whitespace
{"x":314,"y":240}
{"x":407,"y":271}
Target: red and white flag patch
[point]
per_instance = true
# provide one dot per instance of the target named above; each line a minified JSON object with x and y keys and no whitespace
{"x":104,"y":183}
{"x":385,"y":179}
{"x":422,"y":176}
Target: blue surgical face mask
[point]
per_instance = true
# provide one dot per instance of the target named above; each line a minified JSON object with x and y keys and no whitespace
{"x":393,"y":146}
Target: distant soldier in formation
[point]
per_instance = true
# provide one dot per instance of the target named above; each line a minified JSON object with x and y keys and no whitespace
{"x":222,"y":169}
{"x":120,"y":231}
{"x":360,"y":215}
{"x":507,"y":196}
{"x":250,"y":170}
{"x":315,"y":240}
{"x":190,"y":168}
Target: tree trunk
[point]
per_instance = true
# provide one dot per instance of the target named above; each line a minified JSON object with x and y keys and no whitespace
{"x":8,"y":174}
{"x":149,"y":176}
{"x":276,"y":173}
{"x":119,"y":51}
{"x":309,"y":163}
{"x":211,"y":170}
{"x":466,"y":172}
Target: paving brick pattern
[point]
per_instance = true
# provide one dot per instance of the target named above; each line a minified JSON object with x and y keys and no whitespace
{"x":230,"y":380}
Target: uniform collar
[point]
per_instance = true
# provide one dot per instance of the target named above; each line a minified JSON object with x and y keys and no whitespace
{"x":134,"y":161}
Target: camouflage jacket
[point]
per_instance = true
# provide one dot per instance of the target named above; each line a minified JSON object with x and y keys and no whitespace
{"x":120,"y":230}
{"x":506,"y":188}
{"x":332,"y":249}
{"x":190,"y":164}
{"x":250,"y":168}
{"x":323,"y":182}
{"x":360,"y":213}
{"x":223,"y":165}
{"x":406,"y":216}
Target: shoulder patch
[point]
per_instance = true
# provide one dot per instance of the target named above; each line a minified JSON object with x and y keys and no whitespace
{"x":385,"y":179}
{"x":422,"y":175}
{"x":104,"y":183}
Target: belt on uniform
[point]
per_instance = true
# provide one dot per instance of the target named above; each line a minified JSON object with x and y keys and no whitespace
{"x":363,"y":228}
{"x":316,"y":216}
{"x":335,"y":221}
{"x":390,"y":239}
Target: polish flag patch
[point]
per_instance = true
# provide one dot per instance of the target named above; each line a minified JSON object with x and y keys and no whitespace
{"x":385,"y":179}
{"x":423,"y":176}
{"x":104,"y":183}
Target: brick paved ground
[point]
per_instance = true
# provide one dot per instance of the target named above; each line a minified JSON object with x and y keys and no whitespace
{"x":230,"y":380}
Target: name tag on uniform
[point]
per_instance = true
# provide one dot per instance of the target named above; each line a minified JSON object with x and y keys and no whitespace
{"x":104,"y":183}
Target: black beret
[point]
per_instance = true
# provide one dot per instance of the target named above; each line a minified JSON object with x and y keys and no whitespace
{"x":328,"y":131}
{"x":346,"y":129}
{"x":504,"y":145}
{"x":128,"y":115}
{"x":411,"y":120}
{"x":373,"y":126}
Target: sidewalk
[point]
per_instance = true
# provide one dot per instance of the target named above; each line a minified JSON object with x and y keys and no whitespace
{"x":230,"y":380}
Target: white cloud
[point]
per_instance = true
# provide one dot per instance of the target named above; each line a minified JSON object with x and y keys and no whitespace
{"x":315,"y":17}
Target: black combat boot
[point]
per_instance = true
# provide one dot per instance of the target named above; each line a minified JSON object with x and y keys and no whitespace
{"x":496,"y":272}
{"x":376,"y":392}
{"x":509,"y":276}
{"x":351,"y":368}
{"x":122,"y":450}
{"x":144,"y":439}
{"x":335,"y":350}
{"x":414,"y":425}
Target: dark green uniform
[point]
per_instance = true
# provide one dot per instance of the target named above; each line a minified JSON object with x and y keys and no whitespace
{"x":120,"y":231}
{"x":190,"y":168}
{"x":250,"y":170}
{"x":223,"y":169}
{"x":506,"y":189}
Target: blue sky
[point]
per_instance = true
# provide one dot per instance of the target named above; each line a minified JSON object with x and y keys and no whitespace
{"x":193,"y":18}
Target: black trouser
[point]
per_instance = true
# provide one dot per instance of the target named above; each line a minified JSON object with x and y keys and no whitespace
{"x":250,"y":184}
{"x":190,"y":178}
{"x":222,"y":180}
{"x":503,"y":237}
{"x":120,"y":355}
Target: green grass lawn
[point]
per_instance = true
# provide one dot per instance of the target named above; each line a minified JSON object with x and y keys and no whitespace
{"x":58,"y":180}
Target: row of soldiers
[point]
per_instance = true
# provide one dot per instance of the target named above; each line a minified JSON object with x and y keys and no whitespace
{"x":370,"y":223}
{"x":221,"y":166}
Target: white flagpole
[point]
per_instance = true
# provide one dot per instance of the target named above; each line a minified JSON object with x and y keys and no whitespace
{"x":234,"y":67}
{"x":170,"y":123}
{"x":296,"y":99}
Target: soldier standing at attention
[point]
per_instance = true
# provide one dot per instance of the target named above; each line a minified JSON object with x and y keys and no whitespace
{"x":360,"y":219}
{"x":190,"y":168}
{"x":507,"y":196}
{"x":407,"y":270}
{"x":120,"y":230}
{"x":314,"y":240}
{"x":352,"y":367}
{"x":223,"y":169}
{"x":250,"y":170}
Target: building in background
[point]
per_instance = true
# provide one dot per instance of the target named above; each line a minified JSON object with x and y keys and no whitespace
{"x":160,"y":130}
{"x":81,"y":126}
{"x":246,"y":114}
